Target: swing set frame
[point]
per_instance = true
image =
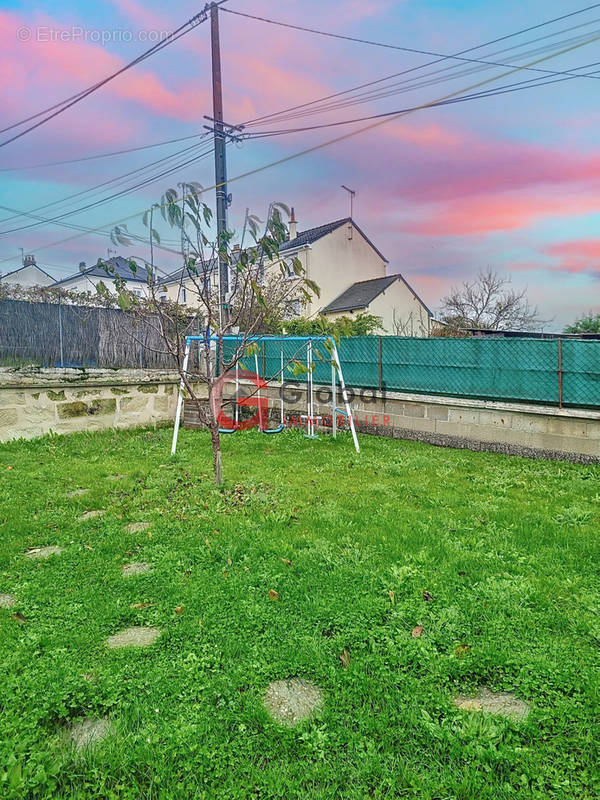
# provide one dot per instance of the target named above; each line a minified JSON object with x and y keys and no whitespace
{"x":311,"y":420}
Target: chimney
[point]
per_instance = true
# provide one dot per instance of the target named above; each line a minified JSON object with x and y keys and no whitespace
{"x":293,"y":226}
{"x":29,"y":261}
{"x":82,"y":266}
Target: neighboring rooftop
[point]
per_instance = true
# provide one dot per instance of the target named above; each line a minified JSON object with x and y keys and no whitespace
{"x":361,"y":294}
{"x":120,"y":265}
{"x":312,"y":235}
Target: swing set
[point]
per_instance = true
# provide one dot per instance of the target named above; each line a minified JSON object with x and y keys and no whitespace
{"x":300,"y":343}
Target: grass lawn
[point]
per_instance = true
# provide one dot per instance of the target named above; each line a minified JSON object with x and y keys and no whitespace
{"x":505,"y":550}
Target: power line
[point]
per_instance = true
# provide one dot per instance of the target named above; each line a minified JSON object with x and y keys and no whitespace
{"x":329,"y":142}
{"x":114,"y":196}
{"x":310,"y":109}
{"x":430,"y":63}
{"x":107,"y":182}
{"x":59,"y":108}
{"x":532,"y":83}
{"x":103,"y":155}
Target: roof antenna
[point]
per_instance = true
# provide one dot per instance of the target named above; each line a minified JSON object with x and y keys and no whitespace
{"x":352,"y":194}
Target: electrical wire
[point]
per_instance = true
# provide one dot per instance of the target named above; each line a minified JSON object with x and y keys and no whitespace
{"x":59,"y":108}
{"x":108,"y":182}
{"x":328,"y":143}
{"x":436,"y":61}
{"x":102,"y":155}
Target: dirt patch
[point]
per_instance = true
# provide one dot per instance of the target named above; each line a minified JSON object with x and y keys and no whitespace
{"x":77,"y":493}
{"x":44,"y":552}
{"x":505,"y":704}
{"x":289,"y":702}
{"x":134,"y":637}
{"x":86,"y":732}
{"x":139,"y":568}
{"x":7,"y":600}
{"x":91,"y":515}
{"x":138,"y":527}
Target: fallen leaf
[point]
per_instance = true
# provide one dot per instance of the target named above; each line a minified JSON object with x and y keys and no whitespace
{"x":392,"y":597}
{"x":180,"y":609}
{"x":246,"y":569}
{"x":140,"y":606}
{"x":207,"y":542}
{"x":345,"y":658}
{"x":230,"y":562}
{"x":417,"y":631}
{"x":273,"y":594}
{"x":87,"y":547}
{"x":18,"y":617}
{"x":461,"y":650}
{"x":10,"y":468}
{"x":287,"y":562}
{"x":149,"y":534}
{"x":427,"y":597}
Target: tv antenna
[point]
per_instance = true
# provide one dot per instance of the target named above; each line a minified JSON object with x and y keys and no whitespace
{"x":352,"y":194}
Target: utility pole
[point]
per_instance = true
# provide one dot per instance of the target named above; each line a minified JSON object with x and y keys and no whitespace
{"x":220,"y":159}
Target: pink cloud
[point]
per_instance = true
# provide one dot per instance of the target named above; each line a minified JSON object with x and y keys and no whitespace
{"x":578,"y":256}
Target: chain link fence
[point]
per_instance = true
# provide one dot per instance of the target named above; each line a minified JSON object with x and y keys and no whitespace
{"x":546,"y":371}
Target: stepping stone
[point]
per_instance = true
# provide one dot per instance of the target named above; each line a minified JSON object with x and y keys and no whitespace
{"x":77,"y":493}
{"x":91,"y":515}
{"x":292,"y":701}
{"x":138,"y":568}
{"x":138,"y":527}
{"x":86,"y":732}
{"x":44,"y":552}
{"x":7,"y":600}
{"x":505,"y":704}
{"x":134,"y":637}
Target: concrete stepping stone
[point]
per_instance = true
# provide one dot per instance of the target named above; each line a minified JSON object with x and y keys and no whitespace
{"x":134,"y":637}
{"x":138,"y":568}
{"x":505,"y":704}
{"x":292,"y":701}
{"x":86,"y":732}
{"x":44,"y":552}
{"x":138,"y":527}
{"x":77,"y":493}
{"x":7,"y":600}
{"x":91,"y":515}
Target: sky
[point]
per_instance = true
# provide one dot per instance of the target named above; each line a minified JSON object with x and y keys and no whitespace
{"x":509,"y":182}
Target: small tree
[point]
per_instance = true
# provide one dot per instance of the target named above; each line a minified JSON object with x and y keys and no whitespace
{"x":590,"y":323}
{"x":261,"y":283}
{"x":321,"y":325}
{"x":490,"y":302}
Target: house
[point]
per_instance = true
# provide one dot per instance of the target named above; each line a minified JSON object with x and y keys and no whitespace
{"x":391,"y":298}
{"x":87,"y":279}
{"x":352,"y":275}
{"x":28,"y":275}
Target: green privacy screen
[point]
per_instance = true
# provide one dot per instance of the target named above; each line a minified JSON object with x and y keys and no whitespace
{"x":547,"y":371}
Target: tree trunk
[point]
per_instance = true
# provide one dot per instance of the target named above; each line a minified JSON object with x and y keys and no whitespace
{"x":216,"y":447}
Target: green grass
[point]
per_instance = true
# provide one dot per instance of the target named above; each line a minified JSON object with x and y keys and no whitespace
{"x":509,"y":549}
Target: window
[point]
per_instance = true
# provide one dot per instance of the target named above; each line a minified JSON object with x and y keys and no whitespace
{"x":182,"y":296}
{"x":163,"y":298}
{"x":293,"y":308}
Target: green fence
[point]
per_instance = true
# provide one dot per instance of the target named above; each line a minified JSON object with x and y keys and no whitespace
{"x":548,"y":371}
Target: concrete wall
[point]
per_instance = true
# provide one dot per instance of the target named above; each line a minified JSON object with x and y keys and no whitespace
{"x":35,"y":401}
{"x":511,"y":428}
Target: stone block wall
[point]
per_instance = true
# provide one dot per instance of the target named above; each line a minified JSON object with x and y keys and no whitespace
{"x":513,"y":428}
{"x":35,"y":401}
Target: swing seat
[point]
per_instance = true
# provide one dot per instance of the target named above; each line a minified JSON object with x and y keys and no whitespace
{"x":227,"y":431}
{"x":280,"y":429}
